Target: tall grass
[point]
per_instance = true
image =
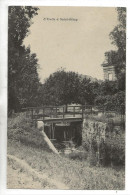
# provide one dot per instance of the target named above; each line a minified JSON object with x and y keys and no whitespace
{"x":24,"y":130}
{"x":25,"y":142}
{"x":75,"y":173}
{"x":106,"y":118}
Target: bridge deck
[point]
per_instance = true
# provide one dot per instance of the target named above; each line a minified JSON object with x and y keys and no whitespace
{"x":61,"y":119}
{"x":56,"y":114}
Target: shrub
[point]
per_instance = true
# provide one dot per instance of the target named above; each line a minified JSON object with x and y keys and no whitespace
{"x":19,"y":129}
{"x":112,"y":102}
{"x":80,"y":155}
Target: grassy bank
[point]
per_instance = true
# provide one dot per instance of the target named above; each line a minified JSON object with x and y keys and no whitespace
{"x":76,"y":174}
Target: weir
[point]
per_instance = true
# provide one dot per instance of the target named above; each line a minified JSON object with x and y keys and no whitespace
{"x":60,"y":123}
{"x":60,"y":136}
{"x":66,"y":125}
{"x":64,"y":132}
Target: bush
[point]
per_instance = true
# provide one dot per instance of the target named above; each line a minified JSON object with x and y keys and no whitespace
{"x":19,"y":129}
{"x":80,"y":155}
{"x":115,"y":152}
{"x":112,"y":102}
{"x":108,"y":154}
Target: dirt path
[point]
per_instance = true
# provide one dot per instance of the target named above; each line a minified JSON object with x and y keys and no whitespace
{"x":22,"y":176}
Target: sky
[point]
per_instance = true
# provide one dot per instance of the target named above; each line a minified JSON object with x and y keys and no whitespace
{"x":74,"y":38}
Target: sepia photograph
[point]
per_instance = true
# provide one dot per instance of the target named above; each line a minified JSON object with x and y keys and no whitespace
{"x":66,"y":98}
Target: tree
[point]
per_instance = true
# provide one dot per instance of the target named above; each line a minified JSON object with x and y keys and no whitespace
{"x":19,"y":23}
{"x":112,"y":102}
{"x":108,"y":88}
{"x":22,"y":65}
{"x":27,"y":79}
{"x":86,"y":95}
{"x":61,"y":88}
{"x":112,"y":93}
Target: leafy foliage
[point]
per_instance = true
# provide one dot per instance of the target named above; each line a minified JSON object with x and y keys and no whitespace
{"x":22,"y":65}
{"x":112,"y":93}
{"x":24,"y":88}
{"x":86,"y":94}
{"x":21,"y":130}
{"x":61,"y":88}
{"x":112,"y":102}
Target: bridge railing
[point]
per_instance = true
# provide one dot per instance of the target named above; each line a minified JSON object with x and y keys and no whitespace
{"x":54,"y":112}
{"x":67,"y":111}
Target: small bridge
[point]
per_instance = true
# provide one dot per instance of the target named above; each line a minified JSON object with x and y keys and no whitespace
{"x":56,"y":114}
{"x":61,"y":123}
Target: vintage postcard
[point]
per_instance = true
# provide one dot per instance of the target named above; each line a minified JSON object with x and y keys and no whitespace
{"x":66,"y":98}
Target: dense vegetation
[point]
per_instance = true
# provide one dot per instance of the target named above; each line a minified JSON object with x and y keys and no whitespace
{"x":25,"y":89}
{"x":118,"y":59}
{"x":23,"y":78}
{"x":26,"y":143}
{"x":106,"y":145}
{"x":68,"y":87}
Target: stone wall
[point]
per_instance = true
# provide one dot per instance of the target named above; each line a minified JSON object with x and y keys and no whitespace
{"x":93,"y":130}
{"x":105,"y":142}
{"x":101,"y":131}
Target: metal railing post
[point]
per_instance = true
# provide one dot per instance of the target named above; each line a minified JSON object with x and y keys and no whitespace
{"x":63,"y":113}
{"x":56,"y":112}
{"x":74,"y":111}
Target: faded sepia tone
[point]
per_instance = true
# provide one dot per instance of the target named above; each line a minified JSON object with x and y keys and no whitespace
{"x":73,"y":45}
{"x":66,"y":98}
